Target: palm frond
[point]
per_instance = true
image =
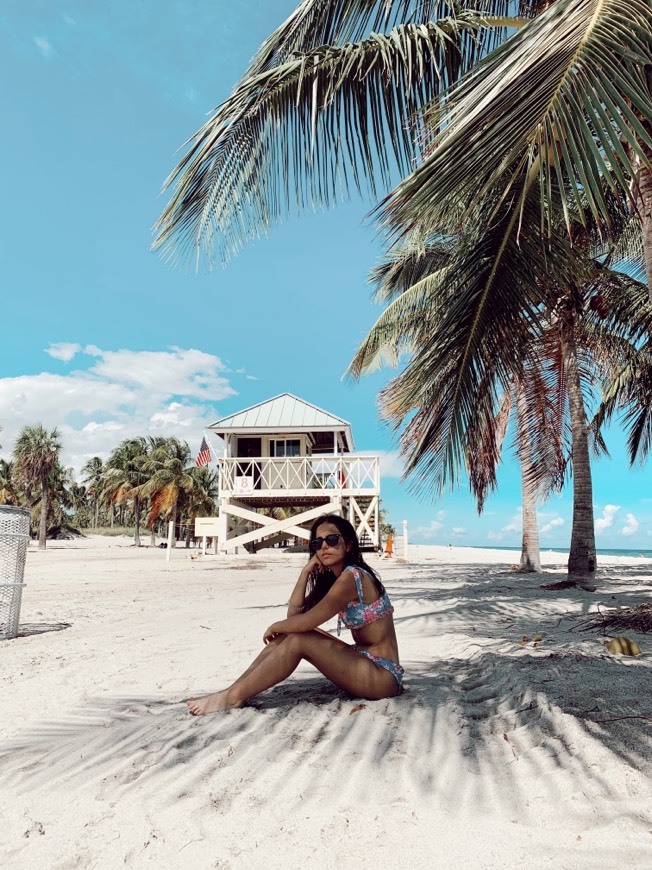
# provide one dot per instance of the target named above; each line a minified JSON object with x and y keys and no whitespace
{"x":315,"y":23}
{"x":408,"y":264}
{"x":495,"y":302}
{"x":565,"y":99}
{"x":320,"y":124}
{"x":484,"y":447}
{"x":630,"y":393}
{"x":405,"y":323}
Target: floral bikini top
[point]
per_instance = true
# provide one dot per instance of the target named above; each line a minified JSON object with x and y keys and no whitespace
{"x":356,"y":614}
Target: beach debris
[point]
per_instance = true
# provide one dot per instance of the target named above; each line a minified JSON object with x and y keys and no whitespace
{"x":623,"y":645}
{"x":536,"y":640}
{"x":627,"y":618}
{"x":35,"y":828}
{"x":506,"y":738}
{"x":568,"y":584}
{"x":357,"y":709}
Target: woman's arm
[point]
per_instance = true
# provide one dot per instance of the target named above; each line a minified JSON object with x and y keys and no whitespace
{"x":298,"y":596}
{"x":342,"y":591}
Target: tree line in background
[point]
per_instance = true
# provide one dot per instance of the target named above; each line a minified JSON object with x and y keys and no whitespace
{"x":523,"y":134}
{"x":146,"y":482}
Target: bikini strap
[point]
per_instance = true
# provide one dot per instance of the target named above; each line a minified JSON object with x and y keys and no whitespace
{"x":358,"y":581}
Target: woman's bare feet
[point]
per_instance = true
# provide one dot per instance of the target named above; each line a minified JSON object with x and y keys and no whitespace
{"x":212,"y":703}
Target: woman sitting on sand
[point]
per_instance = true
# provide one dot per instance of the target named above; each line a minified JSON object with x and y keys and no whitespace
{"x":336,"y":580}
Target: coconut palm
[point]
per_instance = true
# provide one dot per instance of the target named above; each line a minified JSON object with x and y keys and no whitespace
{"x":201,"y":500}
{"x":9,"y":493}
{"x":125,"y":474}
{"x":567,"y":102}
{"x":63,"y":493}
{"x":326,"y":103}
{"x":330,"y":104}
{"x":628,"y":391}
{"x":469,"y":369}
{"x":93,"y":471}
{"x":562,"y":106}
{"x":170,"y":475}
{"x":36,"y":455}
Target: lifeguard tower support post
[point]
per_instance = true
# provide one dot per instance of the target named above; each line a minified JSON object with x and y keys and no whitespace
{"x":286,"y":453}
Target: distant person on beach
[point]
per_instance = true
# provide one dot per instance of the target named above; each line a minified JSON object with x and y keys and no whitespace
{"x":336,"y":580}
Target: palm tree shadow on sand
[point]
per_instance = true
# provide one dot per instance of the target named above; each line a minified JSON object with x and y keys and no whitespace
{"x":473,"y":724}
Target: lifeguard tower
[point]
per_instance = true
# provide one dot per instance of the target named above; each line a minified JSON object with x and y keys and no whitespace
{"x":293,"y":456}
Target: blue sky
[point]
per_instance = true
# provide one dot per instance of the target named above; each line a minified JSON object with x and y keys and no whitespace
{"x":104,"y":340}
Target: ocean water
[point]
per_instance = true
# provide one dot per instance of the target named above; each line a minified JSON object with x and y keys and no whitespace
{"x":646,"y":554}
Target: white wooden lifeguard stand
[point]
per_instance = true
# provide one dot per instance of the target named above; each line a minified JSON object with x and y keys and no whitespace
{"x":286,"y":453}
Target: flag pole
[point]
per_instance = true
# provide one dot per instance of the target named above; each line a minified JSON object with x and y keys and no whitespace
{"x":210,"y":446}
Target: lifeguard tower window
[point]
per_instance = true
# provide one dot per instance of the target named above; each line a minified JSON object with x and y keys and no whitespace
{"x":285,"y":447}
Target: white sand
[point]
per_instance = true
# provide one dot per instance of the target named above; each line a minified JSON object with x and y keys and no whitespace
{"x":497,"y":756}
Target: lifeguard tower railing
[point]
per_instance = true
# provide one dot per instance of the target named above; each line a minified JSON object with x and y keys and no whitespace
{"x":311,"y":485}
{"x":300,"y":476}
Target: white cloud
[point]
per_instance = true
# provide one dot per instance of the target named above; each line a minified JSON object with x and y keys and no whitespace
{"x":44,"y":47}
{"x":514,"y":525}
{"x":554,"y":523}
{"x":458,"y":531}
{"x":123,"y":394}
{"x":63,"y":350}
{"x":175,"y":372}
{"x":429,"y":531}
{"x":390,"y":463}
{"x":631,"y":525}
{"x":609,"y":512}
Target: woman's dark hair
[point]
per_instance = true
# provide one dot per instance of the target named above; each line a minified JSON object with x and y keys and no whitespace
{"x":319,"y":584}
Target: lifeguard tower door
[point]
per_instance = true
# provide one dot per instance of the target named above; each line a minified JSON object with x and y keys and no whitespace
{"x":250,"y":447}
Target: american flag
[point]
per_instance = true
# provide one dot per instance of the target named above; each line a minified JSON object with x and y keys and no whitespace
{"x":204,"y":455}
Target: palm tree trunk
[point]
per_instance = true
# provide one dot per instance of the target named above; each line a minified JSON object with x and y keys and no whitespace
{"x":43,"y":525}
{"x":174,"y":524}
{"x":530,"y":553}
{"x":582,"y":562}
{"x":137,"y":521}
{"x":97,"y":512}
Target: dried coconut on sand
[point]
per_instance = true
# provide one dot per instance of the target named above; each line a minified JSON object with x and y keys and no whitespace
{"x":505,"y":751}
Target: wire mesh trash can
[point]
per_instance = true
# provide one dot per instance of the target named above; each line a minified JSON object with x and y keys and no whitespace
{"x":14,"y":539}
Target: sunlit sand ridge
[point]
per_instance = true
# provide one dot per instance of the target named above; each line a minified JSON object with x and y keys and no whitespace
{"x":505,"y":750}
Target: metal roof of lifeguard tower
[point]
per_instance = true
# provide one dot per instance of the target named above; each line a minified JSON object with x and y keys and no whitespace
{"x":284,"y":413}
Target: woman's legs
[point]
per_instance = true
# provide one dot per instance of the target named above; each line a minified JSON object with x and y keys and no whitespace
{"x":336,"y":660}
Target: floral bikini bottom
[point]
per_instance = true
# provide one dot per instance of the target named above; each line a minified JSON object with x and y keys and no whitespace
{"x":387,"y":664}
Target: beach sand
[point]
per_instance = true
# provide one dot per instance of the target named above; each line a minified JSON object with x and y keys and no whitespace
{"x":500,"y":754}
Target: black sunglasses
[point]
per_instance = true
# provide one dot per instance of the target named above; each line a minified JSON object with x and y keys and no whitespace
{"x":331,"y":540}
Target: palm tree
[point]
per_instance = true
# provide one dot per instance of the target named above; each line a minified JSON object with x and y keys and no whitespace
{"x":201,"y":500}
{"x":566,"y":102}
{"x":93,"y":471}
{"x":562,"y":106}
{"x":63,"y":494}
{"x":170,"y":474}
{"x":36,"y":455}
{"x":8,"y":490}
{"x":467,"y":372}
{"x":331,"y":102}
{"x":124,"y":476}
